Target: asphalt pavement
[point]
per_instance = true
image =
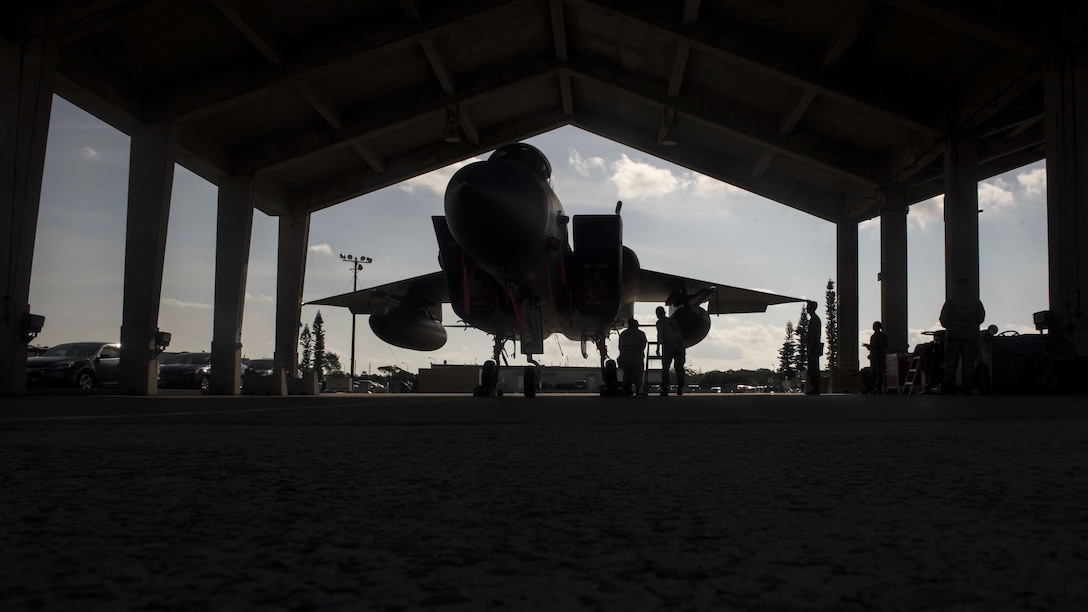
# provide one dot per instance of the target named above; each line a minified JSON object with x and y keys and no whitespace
{"x":419,"y":502}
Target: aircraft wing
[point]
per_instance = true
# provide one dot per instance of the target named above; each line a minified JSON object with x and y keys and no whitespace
{"x":722,"y":299}
{"x":419,"y":292}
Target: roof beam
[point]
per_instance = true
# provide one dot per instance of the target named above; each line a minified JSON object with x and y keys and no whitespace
{"x":438,"y":65}
{"x":679,"y":65}
{"x":264,"y":42}
{"x":559,"y":29}
{"x":376,"y":120}
{"x":421,"y":160}
{"x":324,"y":106}
{"x":370,"y":156}
{"x":227,"y":89}
{"x":813,"y":149}
{"x":852,"y":24}
{"x":973,"y":25}
{"x":760,"y":52}
{"x":734,"y":172}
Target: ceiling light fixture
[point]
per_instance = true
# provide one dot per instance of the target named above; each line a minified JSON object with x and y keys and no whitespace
{"x":452,"y":132}
{"x":667,"y":134}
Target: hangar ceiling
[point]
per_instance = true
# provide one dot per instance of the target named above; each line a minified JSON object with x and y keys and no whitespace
{"x":817,"y":104}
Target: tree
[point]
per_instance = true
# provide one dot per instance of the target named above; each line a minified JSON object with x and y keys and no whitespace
{"x":831,"y":325}
{"x":319,"y":346}
{"x":307,"y":340}
{"x":787,"y":355}
{"x":801,"y":330}
{"x":332,"y":363}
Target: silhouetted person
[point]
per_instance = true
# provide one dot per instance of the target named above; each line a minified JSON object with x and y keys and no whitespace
{"x":815,"y":348}
{"x":672,"y":351}
{"x":878,"y":362}
{"x":961,"y":316}
{"x":632,"y":354}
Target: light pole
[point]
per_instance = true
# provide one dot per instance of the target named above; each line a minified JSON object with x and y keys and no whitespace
{"x":356,"y":266}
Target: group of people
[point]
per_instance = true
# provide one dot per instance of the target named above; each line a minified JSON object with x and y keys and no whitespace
{"x":961,"y":316}
{"x":633,"y":353}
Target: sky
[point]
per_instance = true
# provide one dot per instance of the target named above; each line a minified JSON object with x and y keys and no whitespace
{"x":676,"y":221}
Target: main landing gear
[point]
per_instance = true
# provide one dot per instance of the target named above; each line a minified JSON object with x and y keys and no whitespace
{"x":611,"y":386}
{"x":489,"y":377}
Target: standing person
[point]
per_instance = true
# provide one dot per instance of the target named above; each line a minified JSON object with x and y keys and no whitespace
{"x":878,"y":362}
{"x":632,"y":354}
{"x":672,"y":351}
{"x":815,"y":348}
{"x":961,"y":317}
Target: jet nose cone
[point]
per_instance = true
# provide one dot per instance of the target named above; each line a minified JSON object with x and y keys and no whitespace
{"x":497,"y":212}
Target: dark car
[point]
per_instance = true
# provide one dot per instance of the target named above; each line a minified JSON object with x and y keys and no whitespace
{"x":83,"y":365}
{"x":186,"y":371}
{"x":260,"y":367}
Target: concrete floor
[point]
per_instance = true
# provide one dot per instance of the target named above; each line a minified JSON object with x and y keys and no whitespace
{"x":783,"y":502}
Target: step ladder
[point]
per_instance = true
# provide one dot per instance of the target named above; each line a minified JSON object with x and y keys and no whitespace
{"x":653,"y":353}
{"x":912,"y":376}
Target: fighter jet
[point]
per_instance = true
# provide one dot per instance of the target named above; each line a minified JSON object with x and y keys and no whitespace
{"x":509,"y":267}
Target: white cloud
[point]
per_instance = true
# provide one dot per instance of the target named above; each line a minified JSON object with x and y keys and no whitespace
{"x":88,"y":153}
{"x":927,"y":214}
{"x":260,"y":299}
{"x":995,"y":195}
{"x":639,"y":180}
{"x":583,"y":165}
{"x":435,"y":181}
{"x":323,"y":249}
{"x":174,"y":303}
{"x":703,"y":186}
{"x":1033,"y":182}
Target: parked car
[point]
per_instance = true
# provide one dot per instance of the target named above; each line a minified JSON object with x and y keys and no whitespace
{"x":261,"y":367}
{"x":83,"y":365}
{"x":186,"y":371}
{"x":369,"y":386}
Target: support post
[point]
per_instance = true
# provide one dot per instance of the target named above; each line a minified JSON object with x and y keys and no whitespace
{"x":233,"y":234}
{"x":294,"y":239}
{"x":893,"y":268}
{"x":961,"y":213}
{"x":27,"y":72}
{"x":1067,"y":196}
{"x":150,"y":181}
{"x":846,"y":246}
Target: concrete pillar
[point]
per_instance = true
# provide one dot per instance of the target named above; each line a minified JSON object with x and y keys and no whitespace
{"x":233,"y":232}
{"x":150,"y":181}
{"x":1067,"y":196}
{"x":27,"y":71}
{"x":893,"y":268}
{"x":961,"y":213}
{"x":294,"y":240}
{"x":846,"y":245}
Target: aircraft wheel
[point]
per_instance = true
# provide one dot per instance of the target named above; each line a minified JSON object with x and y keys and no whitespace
{"x":610,"y":372}
{"x":490,"y":376}
{"x":530,"y":381}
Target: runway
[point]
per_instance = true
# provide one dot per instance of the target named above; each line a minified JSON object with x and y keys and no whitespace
{"x":345,"y":502}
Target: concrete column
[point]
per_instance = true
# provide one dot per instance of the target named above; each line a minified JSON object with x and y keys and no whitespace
{"x":27,"y":72}
{"x":961,"y":213}
{"x":294,"y":240}
{"x":1067,"y":196}
{"x":846,"y":245}
{"x":233,"y":232}
{"x":150,"y":181}
{"x":893,"y":268}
